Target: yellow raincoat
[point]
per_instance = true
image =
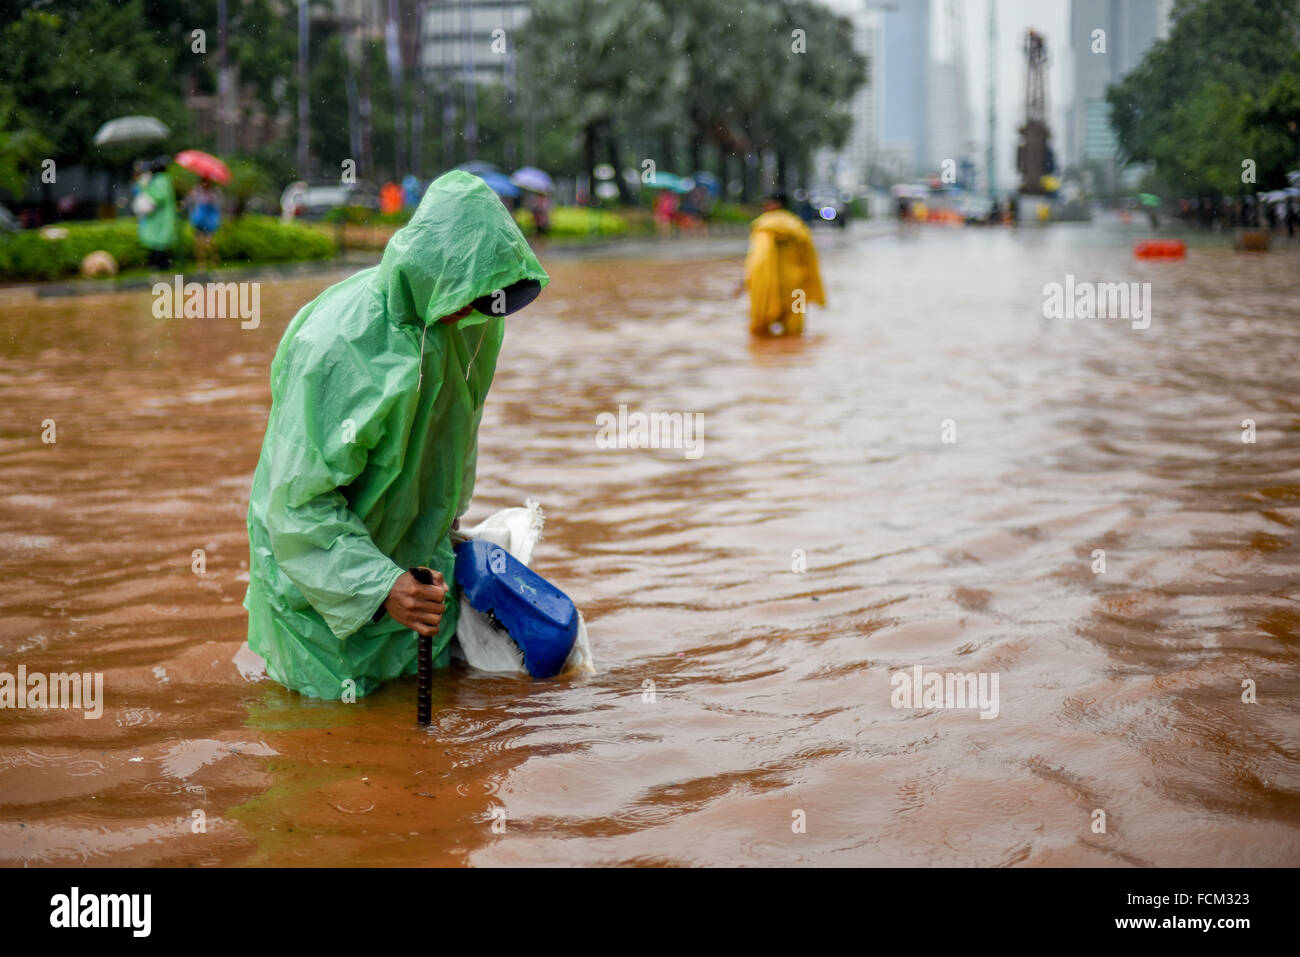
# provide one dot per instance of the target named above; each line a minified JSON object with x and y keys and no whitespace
{"x":781,"y":261}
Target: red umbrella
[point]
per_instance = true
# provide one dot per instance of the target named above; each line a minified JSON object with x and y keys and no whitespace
{"x":204,"y":165}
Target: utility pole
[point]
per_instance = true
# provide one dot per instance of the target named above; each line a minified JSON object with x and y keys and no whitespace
{"x":224,"y":105}
{"x":508,"y":77}
{"x":395,"y":76}
{"x":351,"y":56}
{"x":418,"y":90}
{"x":304,"y":100}
{"x":991,"y":159}
{"x":468,"y":73}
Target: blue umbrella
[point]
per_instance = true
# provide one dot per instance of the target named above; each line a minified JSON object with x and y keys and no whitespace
{"x":709,"y":182}
{"x":500,"y":184}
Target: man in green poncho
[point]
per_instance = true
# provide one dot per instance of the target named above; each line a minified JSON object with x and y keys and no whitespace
{"x":377,"y":390}
{"x":156,"y":206}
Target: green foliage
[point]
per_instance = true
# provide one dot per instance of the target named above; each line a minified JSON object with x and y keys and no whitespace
{"x":365,"y":216}
{"x":731,"y":213}
{"x":21,"y":146}
{"x":1274,"y":122}
{"x":640,"y":70}
{"x":351,"y":215}
{"x":621,"y":81}
{"x":79,"y":63}
{"x":29,"y":256}
{"x":329,"y":106}
{"x":249,"y":180}
{"x":577,"y":221}
{"x":264,"y":239}
{"x":261,"y":37}
{"x":1219,"y":90}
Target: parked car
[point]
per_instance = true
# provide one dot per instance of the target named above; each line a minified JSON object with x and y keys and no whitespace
{"x":313,"y":202}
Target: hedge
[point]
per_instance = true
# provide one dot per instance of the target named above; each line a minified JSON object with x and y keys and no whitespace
{"x":577,"y":221}
{"x":28,"y":256}
{"x":264,"y":239}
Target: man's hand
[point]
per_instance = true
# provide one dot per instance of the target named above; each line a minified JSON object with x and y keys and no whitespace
{"x":417,"y":606}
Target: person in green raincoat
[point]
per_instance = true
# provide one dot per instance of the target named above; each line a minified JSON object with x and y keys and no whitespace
{"x":156,"y":202}
{"x":377,"y":390}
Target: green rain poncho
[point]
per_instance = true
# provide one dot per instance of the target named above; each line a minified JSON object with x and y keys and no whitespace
{"x":371,"y":446}
{"x":158,"y":229}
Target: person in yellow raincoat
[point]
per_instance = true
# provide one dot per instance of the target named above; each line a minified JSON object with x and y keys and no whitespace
{"x":781,"y":271}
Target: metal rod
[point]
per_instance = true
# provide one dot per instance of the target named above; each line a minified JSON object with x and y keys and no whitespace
{"x":424,"y":663}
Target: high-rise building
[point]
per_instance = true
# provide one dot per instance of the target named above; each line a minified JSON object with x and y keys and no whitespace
{"x":906,"y":118}
{"x":914,"y":111}
{"x":1108,"y":38}
{"x":950,"y":106}
{"x":472,"y":38}
{"x":850,"y":167}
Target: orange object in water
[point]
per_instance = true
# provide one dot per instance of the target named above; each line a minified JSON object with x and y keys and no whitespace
{"x":1160,"y":249}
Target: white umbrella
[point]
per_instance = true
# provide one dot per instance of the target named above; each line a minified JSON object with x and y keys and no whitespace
{"x":532,"y":178}
{"x":131,"y":129}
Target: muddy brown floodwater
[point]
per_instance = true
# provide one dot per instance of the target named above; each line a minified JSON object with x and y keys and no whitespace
{"x":736,"y":696}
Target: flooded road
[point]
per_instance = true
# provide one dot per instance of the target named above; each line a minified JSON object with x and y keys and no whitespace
{"x":925,"y":479}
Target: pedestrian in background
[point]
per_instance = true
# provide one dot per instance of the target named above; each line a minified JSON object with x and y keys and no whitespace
{"x":204,"y":202}
{"x":781,"y":271}
{"x":155,"y":206}
{"x":665,"y":211}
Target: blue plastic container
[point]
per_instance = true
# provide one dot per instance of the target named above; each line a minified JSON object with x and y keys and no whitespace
{"x":540,"y":618}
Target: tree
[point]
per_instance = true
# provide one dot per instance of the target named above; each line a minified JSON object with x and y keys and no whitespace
{"x":1190,"y":106}
{"x":1274,"y":123}
{"x":660,"y":72}
{"x":21,"y":147}
{"x":75,"y":66}
{"x":808,"y":105}
{"x":590,"y":61}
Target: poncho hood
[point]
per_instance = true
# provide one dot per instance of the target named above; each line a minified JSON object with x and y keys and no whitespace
{"x":781,"y":223}
{"x":460,"y":244}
